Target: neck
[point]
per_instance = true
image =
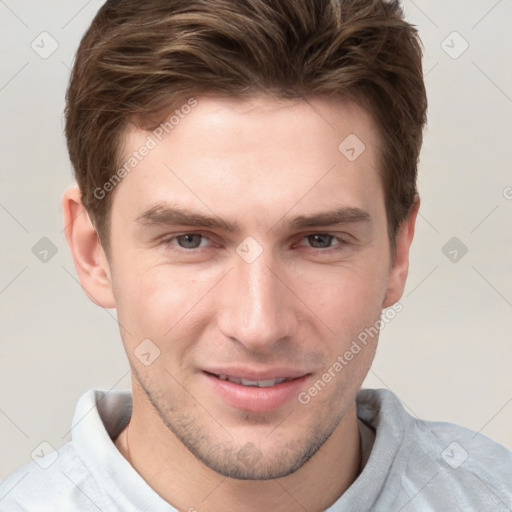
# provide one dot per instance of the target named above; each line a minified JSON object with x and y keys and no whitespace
{"x":187,"y":484}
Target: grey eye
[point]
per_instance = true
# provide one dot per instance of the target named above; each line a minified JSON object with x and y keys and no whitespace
{"x":319,"y":239}
{"x":188,"y":241}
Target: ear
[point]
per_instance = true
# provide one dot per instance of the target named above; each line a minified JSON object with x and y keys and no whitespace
{"x":91,"y":262}
{"x":400,"y":261}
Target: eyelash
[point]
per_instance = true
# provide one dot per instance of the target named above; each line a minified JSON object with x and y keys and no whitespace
{"x":167,"y":241}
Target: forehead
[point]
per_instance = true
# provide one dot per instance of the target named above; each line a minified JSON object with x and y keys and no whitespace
{"x":257,"y":155}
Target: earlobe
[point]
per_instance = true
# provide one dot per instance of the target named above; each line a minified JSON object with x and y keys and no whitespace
{"x":400,"y":264}
{"x":88,"y":255}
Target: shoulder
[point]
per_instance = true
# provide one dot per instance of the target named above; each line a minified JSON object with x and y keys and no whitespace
{"x":465,"y":449}
{"x":459,"y":446}
{"x":437,"y":463}
{"x":35,"y":486}
{"x":462,"y":466}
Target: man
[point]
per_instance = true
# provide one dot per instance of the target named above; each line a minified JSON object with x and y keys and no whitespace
{"x":246,"y":201}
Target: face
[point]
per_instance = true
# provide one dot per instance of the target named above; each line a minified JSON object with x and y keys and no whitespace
{"x":247,"y":248}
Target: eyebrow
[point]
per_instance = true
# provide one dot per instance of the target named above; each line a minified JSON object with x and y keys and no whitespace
{"x":166,"y":215}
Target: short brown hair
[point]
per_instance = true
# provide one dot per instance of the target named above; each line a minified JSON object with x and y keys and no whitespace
{"x":139,"y":57}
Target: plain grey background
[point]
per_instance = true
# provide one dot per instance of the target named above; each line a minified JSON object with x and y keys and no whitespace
{"x":448,"y":354}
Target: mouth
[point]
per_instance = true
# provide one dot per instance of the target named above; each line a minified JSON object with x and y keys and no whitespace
{"x":266,"y":383}
{"x":256,"y":392}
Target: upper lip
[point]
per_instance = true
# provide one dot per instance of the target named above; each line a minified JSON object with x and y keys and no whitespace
{"x":253,"y":374}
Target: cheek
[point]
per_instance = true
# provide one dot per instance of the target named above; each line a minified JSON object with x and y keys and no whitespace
{"x":157,"y":301}
{"x":346,"y":298}
{"x":350,"y":304}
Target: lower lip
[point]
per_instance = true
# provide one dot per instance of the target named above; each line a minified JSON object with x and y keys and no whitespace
{"x":254,"y":398}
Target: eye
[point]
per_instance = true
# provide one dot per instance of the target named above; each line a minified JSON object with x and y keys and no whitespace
{"x":186,"y":241}
{"x":189,"y":240}
{"x":320,"y":240}
{"x":323,"y":242}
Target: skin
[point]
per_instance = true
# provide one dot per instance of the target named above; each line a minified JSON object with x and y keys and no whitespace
{"x":259,"y":162}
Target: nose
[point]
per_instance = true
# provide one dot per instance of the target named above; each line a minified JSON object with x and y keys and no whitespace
{"x":257,"y":307}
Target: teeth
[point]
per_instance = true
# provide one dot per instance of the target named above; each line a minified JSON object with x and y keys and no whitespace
{"x":259,"y":383}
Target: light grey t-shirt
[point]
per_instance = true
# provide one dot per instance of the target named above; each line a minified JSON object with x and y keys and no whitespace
{"x":411,"y":465}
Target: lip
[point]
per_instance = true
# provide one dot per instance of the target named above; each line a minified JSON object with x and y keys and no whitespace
{"x":252,"y":374}
{"x":254,"y":398}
